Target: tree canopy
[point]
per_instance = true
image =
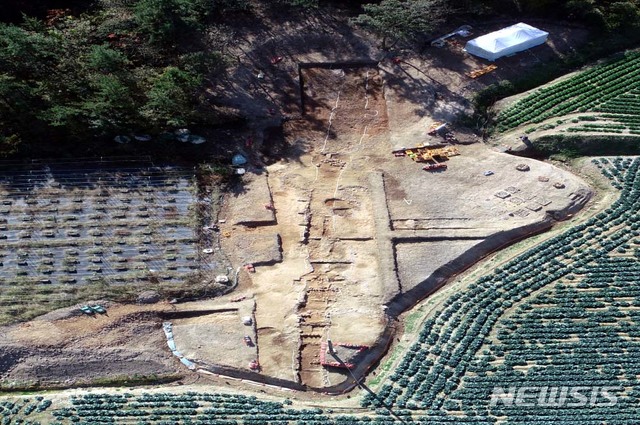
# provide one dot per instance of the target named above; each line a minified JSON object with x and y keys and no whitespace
{"x":401,"y":19}
{"x":126,"y":70}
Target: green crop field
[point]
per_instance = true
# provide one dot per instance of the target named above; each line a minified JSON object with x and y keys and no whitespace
{"x":603,"y":99}
{"x":565,"y":314}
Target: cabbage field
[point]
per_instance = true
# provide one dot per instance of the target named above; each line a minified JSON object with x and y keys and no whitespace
{"x":26,"y":411}
{"x":602,"y":99}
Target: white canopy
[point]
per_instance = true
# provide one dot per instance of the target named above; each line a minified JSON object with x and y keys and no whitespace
{"x":506,"y":41}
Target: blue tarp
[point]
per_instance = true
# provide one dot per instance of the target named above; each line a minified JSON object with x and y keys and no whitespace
{"x":238,"y":159}
{"x":187,"y":363}
{"x":168,"y":331}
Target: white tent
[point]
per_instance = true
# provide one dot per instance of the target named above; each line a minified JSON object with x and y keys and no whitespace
{"x":506,"y":41}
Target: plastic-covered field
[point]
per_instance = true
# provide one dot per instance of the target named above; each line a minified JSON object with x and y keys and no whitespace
{"x":75,"y":223}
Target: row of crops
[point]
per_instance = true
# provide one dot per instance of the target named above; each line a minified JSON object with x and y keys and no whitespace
{"x":26,"y":411}
{"x":612,"y":90}
{"x":197,"y":408}
{"x":565,"y":313}
{"x":65,"y":223}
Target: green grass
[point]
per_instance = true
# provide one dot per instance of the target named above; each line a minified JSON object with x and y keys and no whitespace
{"x":412,"y":320}
{"x":384,"y":369}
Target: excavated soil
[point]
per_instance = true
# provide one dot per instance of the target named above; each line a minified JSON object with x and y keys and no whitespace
{"x":347,"y":235}
{"x":355,"y":248}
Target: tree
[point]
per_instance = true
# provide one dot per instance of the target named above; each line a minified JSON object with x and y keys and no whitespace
{"x":402,"y":19}
{"x":104,"y":60}
{"x":165,"y":21}
{"x":158,"y":19}
{"x":110,"y":109}
{"x":172,"y":99}
{"x":9,"y":145}
{"x":613,"y":16}
{"x":20,"y":102}
{"x":624,"y":15}
{"x":16,"y":101}
{"x":27,"y":54}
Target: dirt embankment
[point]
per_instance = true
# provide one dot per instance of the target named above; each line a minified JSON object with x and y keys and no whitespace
{"x":67,"y":348}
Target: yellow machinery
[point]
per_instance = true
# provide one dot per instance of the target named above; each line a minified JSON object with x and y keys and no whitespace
{"x":480,"y":72}
{"x":428,"y":153}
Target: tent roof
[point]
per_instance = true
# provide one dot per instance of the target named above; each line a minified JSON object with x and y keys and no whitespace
{"x":507,"y":38}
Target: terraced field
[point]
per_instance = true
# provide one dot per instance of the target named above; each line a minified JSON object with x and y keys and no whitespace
{"x":564,"y":314}
{"x":603,"y":99}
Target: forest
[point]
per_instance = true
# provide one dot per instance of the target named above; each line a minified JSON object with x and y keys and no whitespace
{"x":74,"y":74}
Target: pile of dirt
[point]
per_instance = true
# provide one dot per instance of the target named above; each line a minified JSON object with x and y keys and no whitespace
{"x":148,"y":297}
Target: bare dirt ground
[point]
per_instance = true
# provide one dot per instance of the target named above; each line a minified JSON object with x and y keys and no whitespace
{"x":69,"y":348}
{"x":218,"y":337}
{"x":359,"y":245}
{"x":326,"y":285}
{"x":362,"y":235}
{"x":465,"y":207}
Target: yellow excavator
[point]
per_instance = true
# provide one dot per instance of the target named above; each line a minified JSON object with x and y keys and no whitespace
{"x":428,"y":153}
